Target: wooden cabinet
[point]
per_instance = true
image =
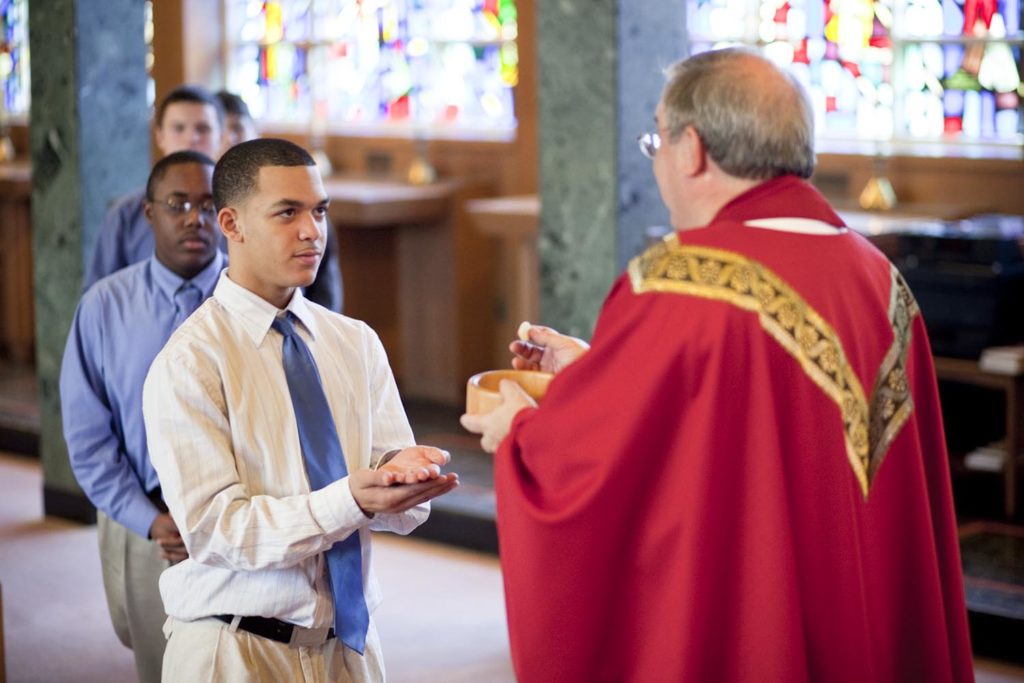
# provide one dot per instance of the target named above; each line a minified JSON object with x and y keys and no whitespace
{"x":969,"y":372}
{"x":513,"y":222}
{"x":17,"y":302}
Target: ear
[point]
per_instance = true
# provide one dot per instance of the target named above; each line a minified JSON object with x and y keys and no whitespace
{"x":227,"y":218}
{"x":147,"y":208}
{"x":158,"y":135}
{"x":693,"y":156}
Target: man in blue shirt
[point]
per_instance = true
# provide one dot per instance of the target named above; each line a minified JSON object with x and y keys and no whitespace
{"x":238,"y":122}
{"x":189,"y":117}
{"x":121,"y":324}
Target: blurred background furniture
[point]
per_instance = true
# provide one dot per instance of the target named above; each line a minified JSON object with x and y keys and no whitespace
{"x":17,"y":319}
{"x":513,"y":222}
{"x":968,"y":371}
{"x":417,"y":273}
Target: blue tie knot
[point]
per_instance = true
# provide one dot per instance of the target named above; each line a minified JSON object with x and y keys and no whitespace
{"x":186,"y":300}
{"x":283,"y":324}
{"x":186,"y":292}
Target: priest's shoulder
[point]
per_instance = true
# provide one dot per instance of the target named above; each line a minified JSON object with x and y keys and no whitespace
{"x":670,"y":257}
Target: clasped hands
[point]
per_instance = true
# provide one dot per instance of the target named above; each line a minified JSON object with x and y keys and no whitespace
{"x":542,"y":349}
{"x":410,"y":478}
{"x":164,"y":532}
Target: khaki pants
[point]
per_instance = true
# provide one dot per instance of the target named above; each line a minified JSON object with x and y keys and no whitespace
{"x":208,"y":651}
{"x":131,"y":572}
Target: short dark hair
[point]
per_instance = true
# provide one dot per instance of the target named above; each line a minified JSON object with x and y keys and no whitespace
{"x":160,"y":168}
{"x":189,"y":93}
{"x":238,"y":170}
{"x":233,"y":104}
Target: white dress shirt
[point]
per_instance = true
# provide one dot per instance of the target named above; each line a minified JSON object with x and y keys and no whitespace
{"x":223,"y":438}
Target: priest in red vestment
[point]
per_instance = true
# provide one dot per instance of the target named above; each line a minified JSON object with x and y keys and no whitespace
{"x":744,"y":478}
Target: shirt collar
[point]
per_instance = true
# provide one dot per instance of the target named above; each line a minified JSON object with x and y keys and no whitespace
{"x":299,"y":307}
{"x":784,"y":196}
{"x":255,"y":313}
{"x":168,"y":282}
{"x":804,"y":226}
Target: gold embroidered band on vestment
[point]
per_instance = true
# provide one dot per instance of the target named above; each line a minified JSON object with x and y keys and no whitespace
{"x":891,"y":403}
{"x":869,"y":428}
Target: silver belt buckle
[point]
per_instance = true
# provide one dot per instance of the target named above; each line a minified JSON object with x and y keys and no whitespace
{"x":308,"y":637}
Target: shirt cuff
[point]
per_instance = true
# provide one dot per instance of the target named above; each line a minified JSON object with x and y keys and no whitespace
{"x":387,"y":457}
{"x":335,"y":510}
{"x":139,"y":518}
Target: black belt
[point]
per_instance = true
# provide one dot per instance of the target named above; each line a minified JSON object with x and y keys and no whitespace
{"x":266,"y":627}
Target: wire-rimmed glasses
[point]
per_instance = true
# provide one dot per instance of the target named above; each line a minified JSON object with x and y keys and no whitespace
{"x":649,"y":144}
{"x":176,"y":205}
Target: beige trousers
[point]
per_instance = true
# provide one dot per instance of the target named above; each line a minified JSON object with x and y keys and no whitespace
{"x":208,"y":651}
{"x":131,"y":572}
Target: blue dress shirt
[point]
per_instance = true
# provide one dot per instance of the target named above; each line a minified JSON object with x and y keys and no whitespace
{"x":126,"y":238}
{"x":121,"y":324}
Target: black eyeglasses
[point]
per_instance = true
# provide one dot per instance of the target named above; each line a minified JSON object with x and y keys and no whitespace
{"x":649,"y":144}
{"x":175,"y":205}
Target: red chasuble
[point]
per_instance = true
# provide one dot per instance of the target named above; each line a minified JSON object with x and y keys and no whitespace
{"x":745,"y":479}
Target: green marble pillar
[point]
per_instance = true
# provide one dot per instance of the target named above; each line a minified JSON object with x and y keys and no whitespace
{"x":599,"y":79}
{"x":576,"y":42}
{"x":89,"y":145}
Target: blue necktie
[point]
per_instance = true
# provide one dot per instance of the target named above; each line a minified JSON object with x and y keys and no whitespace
{"x":186,"y":301}
{"x":325,"y":464}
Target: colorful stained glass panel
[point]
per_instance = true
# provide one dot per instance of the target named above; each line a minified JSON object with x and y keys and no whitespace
{"x":969,"y":91}
{"x":956,"y":18}
{"x":14,"y":62}
{"x":422,"y":62}
{"x":886,"y":69}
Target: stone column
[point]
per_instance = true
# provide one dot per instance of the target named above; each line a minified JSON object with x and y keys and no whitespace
{"x":652,"y":36}
{"x":600,"y":64}
{"x":89,"y":146}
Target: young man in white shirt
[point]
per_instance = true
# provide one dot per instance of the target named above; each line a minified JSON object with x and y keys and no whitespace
{"x":226,"y":434}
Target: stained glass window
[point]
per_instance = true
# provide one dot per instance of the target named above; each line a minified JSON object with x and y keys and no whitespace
{"x":14,"y":57}
{"x":425,"y":64}
{"x":14,"y":74}
{"x":888,"y":70}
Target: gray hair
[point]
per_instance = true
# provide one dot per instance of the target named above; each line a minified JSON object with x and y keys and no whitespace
{"x":754,"y":119}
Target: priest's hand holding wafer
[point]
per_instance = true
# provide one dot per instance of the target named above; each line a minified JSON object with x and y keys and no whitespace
{"x":542,"y":348}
